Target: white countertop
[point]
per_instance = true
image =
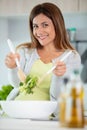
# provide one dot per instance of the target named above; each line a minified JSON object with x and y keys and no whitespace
{"x":26,"y":124}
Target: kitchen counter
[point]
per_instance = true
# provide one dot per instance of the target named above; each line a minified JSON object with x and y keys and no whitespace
{"x":27,"y":124}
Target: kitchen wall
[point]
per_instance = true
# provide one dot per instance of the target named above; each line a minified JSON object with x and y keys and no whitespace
{"x":16,"y":28}
{"x":79,"y":22}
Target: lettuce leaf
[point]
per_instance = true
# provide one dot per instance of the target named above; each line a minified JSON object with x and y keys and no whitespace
{"x":5,"y":90}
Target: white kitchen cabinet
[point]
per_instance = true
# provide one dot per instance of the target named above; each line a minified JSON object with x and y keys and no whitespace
{"x":19,"y":7}
{"x":22,"y":7}
{"x":82,"y":5}
{"x":68,"y":6}
{"x":11,"y":7}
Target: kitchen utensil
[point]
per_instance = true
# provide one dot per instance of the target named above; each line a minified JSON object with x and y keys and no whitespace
{"x":49,"y":71}
{"x":21,"y":74}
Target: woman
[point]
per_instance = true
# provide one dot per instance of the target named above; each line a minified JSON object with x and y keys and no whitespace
{"x":49,"y":44}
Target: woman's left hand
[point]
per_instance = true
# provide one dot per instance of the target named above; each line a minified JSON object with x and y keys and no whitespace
{"x":60,"y":68}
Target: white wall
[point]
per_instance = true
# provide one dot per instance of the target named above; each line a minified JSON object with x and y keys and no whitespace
{"x":3,"y":49}
{"x":79,"y":21}
{"x":18,"y":29}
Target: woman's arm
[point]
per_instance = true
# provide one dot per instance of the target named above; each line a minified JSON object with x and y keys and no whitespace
{"x":72,"y":62}
{"x":13,"y":71}
{"x":27,"y":58}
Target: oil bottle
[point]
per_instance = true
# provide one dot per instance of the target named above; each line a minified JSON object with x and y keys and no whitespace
{"x":72,"y":106}
{"x":62,"y":103}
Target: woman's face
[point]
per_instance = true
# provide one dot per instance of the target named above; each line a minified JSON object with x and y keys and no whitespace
{"x":43,"y":29}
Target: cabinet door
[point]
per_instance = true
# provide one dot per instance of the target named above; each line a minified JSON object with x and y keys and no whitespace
{"x":10,"y":7}
{"x":17,"y":7}
{"x":67,"y":6}
{"x":82,"y":5}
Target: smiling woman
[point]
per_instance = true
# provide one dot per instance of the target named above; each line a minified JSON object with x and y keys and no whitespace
{"x":49,"y":43}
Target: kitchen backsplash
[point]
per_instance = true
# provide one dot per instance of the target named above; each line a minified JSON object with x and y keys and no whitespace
{"x":16,"y":28}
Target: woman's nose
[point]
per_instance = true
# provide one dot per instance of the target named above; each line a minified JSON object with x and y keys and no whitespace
{"x":39,"y":30}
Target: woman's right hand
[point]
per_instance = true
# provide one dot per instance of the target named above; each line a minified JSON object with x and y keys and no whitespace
{"x":10,"y":60}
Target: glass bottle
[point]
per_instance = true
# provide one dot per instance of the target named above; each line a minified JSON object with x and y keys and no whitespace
{"x":72,"y":34}
{"x":62,"y":103}
{"x":74,"y":111}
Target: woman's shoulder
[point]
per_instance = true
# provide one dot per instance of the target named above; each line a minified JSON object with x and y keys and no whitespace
{"x":73,"y":58}
{"x":71,"y":54}
{"x":75,"y":55}
{"x":25,"y":47}
{"x":26,"y":50}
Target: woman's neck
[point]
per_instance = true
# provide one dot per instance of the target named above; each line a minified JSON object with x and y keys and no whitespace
{"x":47,"y":55}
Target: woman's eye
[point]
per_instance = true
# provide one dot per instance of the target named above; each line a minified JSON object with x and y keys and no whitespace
{"x":35,"y":26}
{"x":45,"y":25}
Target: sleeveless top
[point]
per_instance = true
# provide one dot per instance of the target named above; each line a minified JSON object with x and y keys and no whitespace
{"x":41,"y":92}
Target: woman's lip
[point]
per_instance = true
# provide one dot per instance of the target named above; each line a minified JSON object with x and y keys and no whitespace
{"x":42,"y":37}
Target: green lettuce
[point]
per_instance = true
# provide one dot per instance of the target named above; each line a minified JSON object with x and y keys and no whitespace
{"x":28,"y":85}
{"x":5,"y":90}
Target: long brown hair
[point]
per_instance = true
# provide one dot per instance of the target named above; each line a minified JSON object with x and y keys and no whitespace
{"x":54,"y":13}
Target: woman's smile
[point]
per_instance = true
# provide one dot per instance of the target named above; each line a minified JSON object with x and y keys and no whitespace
{"x":42,"y":37}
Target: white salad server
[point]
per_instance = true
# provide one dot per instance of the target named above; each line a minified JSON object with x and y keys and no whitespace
{"x":21,"y":74}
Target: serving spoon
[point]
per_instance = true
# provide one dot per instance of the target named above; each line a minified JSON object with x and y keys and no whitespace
{"x":20,"y":73}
